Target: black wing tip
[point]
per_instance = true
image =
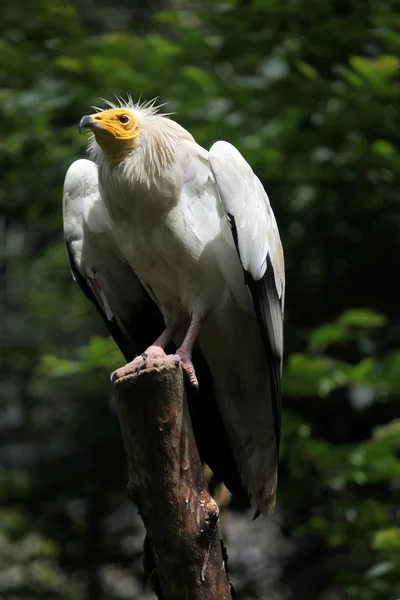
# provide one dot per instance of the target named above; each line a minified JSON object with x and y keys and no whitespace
{"x":273,"y":358}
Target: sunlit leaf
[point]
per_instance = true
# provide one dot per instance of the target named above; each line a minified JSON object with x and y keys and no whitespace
{"x":361,"y":317}
{"x":384,"y":148}
{"x":307,"y":70}
{"x":387,"y":539}
{"x":327,"y":334}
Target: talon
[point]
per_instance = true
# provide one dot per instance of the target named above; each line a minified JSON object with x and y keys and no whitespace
{"x":194,"y":382}
{"x":143,"y":363}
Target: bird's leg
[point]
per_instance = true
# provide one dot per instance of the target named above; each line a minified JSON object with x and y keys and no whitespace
{"x":153,"y":356}
{"x":162,"y":342}
{"x":184,"y":353}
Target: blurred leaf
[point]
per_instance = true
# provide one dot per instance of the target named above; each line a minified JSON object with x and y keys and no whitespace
{"x":69,"y":63}
{"x":100,"y":353}
{"x":361,"y":317}
{"x":58,"y":367}
{"x":307,"y":70}
{"x":362,"y":370}
{"x":387,"y":539}
{"x":197,"y":75}
{"x":380,"y":68}
{"x":384,"y":148}
{"x":327,"y":334}
{"x":380,"y":570}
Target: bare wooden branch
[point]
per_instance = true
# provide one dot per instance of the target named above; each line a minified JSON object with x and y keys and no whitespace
{"x":166,"y":482}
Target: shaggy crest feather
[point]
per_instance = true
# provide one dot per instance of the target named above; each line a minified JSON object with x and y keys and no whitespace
{"x":157,"y":142}
{"x":148,"y":107}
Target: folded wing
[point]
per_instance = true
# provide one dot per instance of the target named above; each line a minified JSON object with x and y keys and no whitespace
{"x":258,"y":244}
{"x":98,"y":266}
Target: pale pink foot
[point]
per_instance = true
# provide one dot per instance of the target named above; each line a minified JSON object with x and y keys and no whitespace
{"x":185,"y":361}
{"x":154,"y":356}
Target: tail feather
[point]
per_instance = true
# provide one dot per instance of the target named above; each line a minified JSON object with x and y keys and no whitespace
{"x":263,"y":492}
{"x":267,"y":499}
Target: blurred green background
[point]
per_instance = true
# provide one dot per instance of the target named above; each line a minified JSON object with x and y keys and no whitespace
{"x":309,"y":93}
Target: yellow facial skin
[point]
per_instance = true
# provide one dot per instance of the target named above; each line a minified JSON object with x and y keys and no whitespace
{"x":115,"y":130}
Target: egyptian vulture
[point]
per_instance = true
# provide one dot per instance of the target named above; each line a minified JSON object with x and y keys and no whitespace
{"x":179,"y":250}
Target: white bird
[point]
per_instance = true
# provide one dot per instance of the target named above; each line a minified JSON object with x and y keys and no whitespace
{"x":156,"y":225}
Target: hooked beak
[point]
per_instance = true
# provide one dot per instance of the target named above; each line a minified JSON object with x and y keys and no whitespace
{"x":86,"y":121}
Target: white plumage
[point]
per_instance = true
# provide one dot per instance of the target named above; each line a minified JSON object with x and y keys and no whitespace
{"x":197,"y":232}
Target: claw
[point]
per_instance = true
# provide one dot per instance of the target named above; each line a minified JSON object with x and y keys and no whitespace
{"x":143,"y":363}
{"x":177,"y":363}
{"x":187,"y":366}
{"x":113,"y":376}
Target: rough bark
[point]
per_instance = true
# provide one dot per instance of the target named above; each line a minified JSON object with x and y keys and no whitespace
{"x":166,"y":483}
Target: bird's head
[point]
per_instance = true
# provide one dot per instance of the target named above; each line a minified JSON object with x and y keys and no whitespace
{"x":134,"y":130}
{"x":116,"y":131}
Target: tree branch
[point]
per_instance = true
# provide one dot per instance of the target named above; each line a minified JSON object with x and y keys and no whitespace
{"x":166,"y":482}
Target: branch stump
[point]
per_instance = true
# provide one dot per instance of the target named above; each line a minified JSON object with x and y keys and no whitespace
{"x":165,"y":481}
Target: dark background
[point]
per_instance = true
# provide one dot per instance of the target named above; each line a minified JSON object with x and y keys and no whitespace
{"x":309,"y":92}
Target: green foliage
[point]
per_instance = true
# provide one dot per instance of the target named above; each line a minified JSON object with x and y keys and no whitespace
{"x":309,"y":94}
{"x":359,"y":482}
{"x":100,"y":353}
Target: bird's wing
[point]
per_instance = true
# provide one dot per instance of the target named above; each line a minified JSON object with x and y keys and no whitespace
{"x":131,"y":316}
{"x":258,"y":244}
{"x":98,"y":266}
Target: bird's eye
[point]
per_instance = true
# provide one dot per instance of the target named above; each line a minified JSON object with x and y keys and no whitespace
{"x":124,"y":119}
